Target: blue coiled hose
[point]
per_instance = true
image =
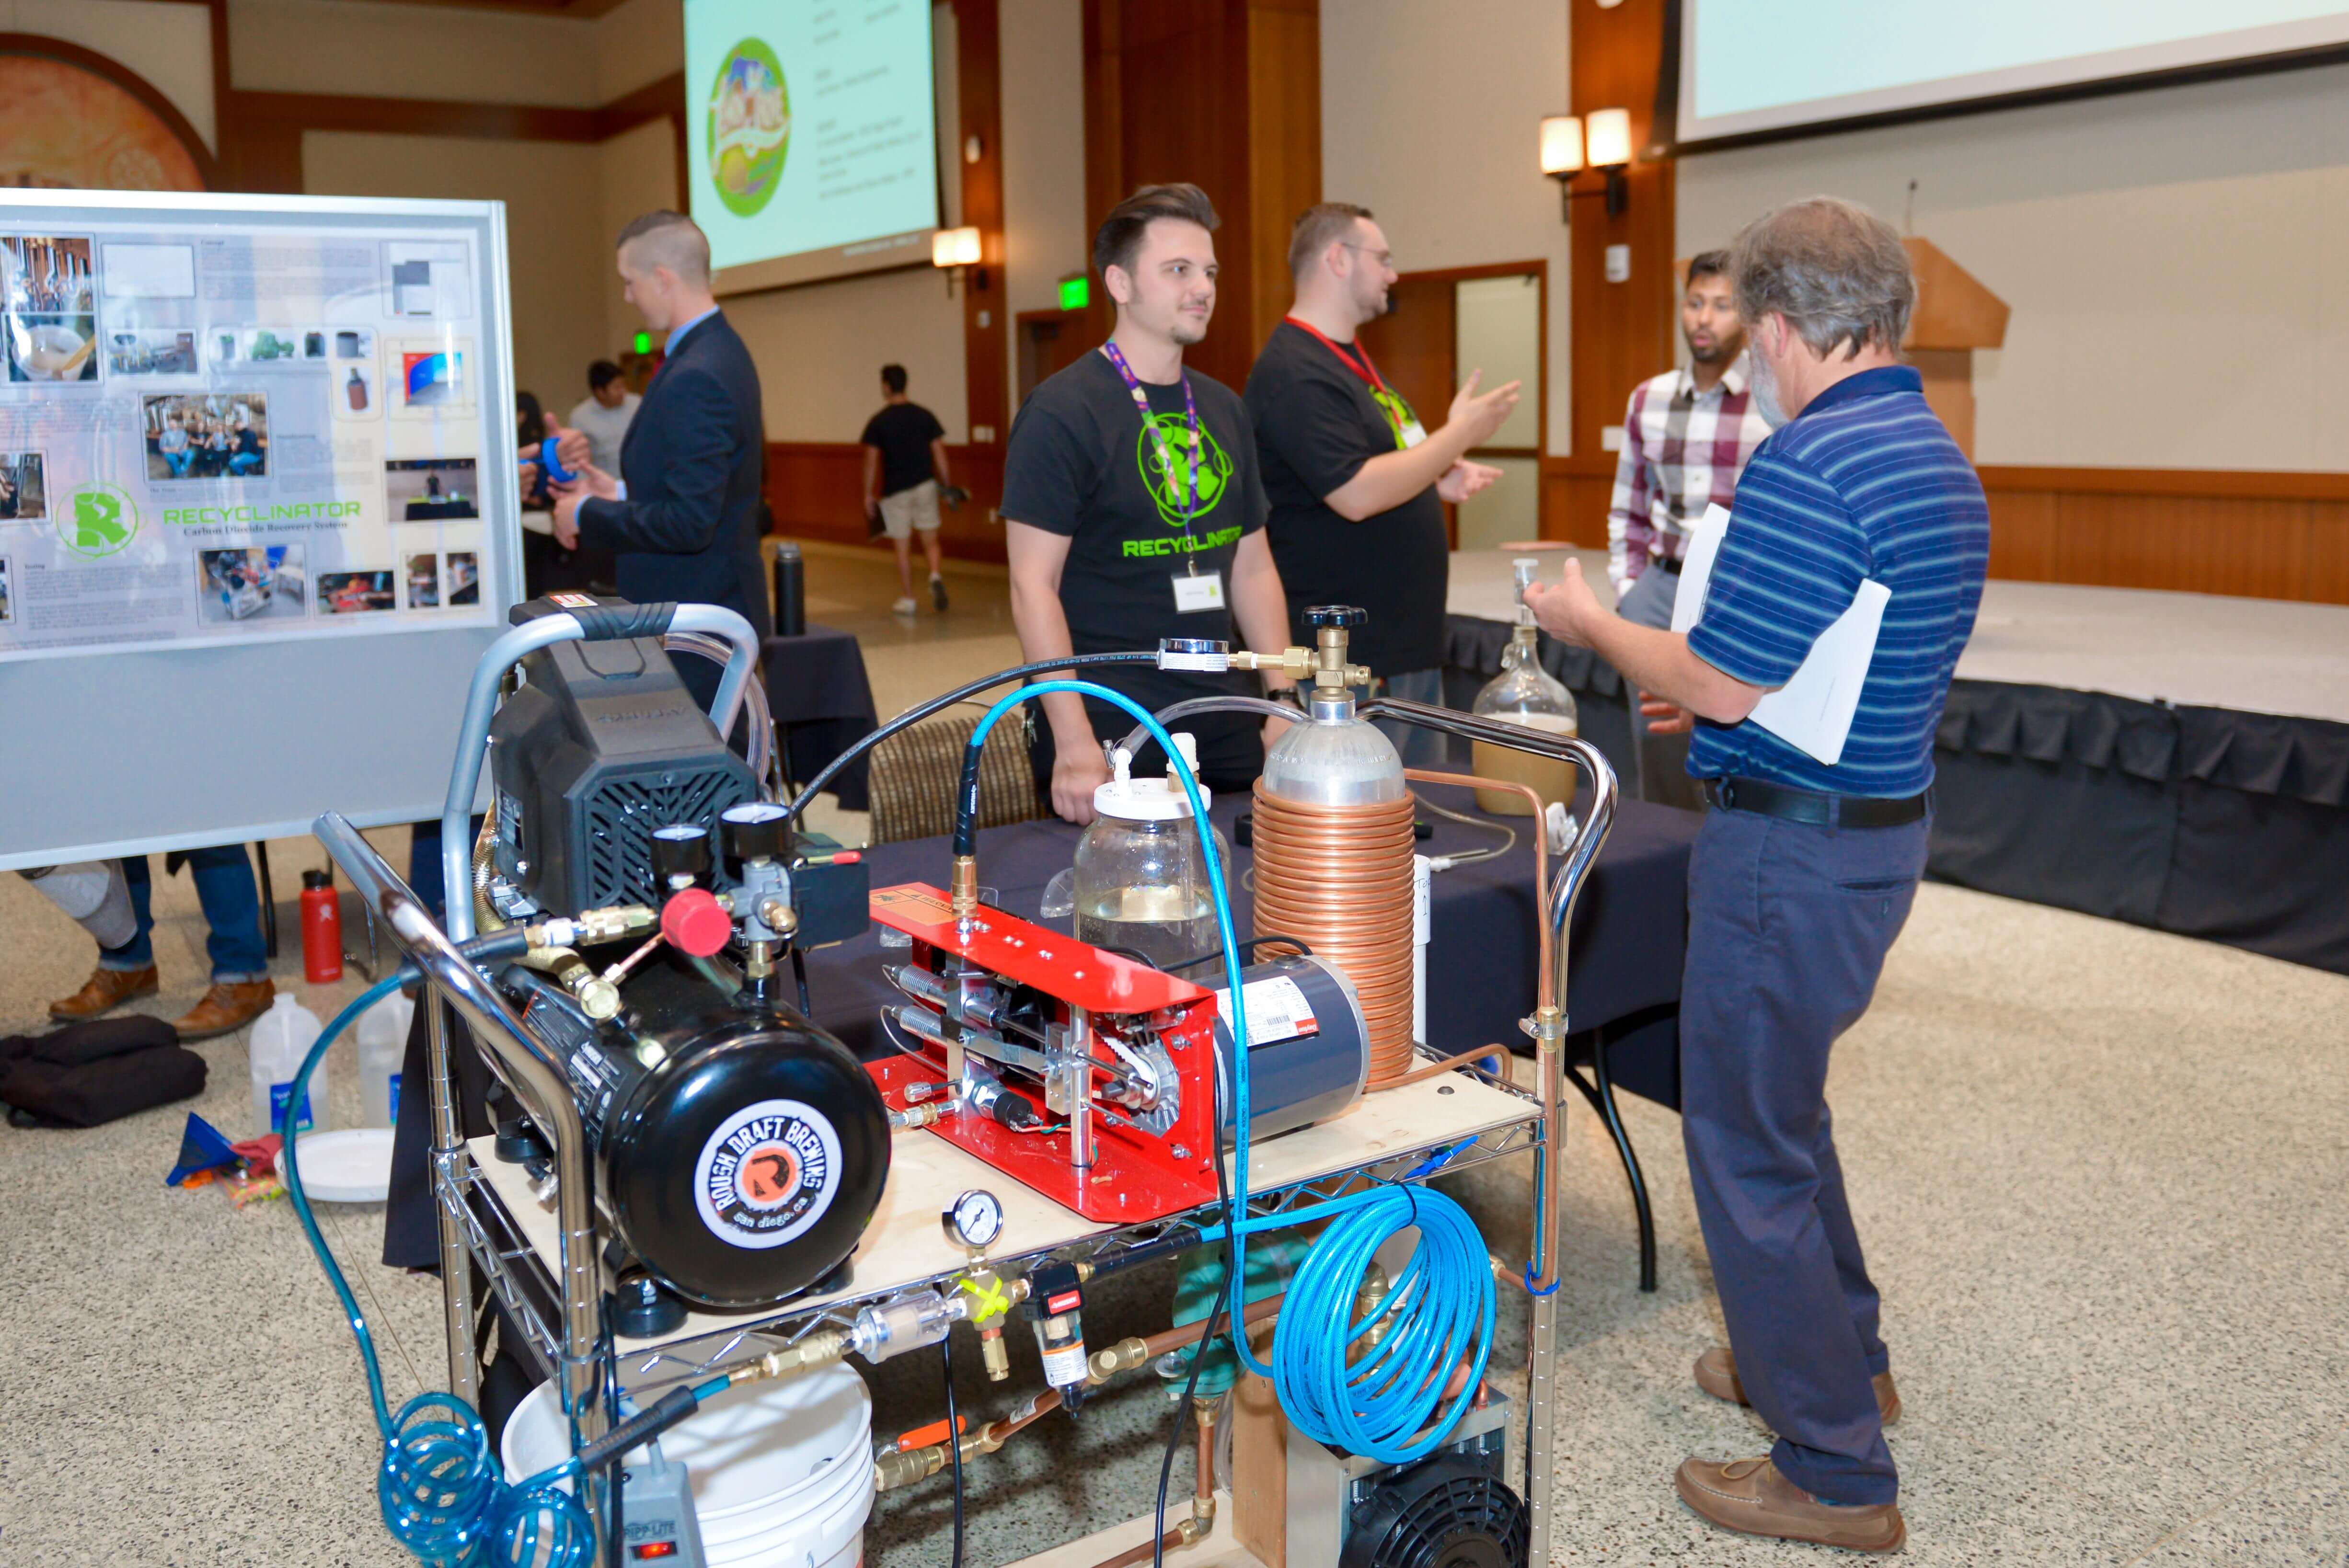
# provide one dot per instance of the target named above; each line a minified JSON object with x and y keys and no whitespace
{"x":443,"y":1493}
{"x":1441,"y":1312}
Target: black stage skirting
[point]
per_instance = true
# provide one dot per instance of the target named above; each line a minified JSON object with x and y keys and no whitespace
{"x":2209,"y":822}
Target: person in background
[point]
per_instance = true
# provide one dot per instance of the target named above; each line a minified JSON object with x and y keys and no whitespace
{"x":682,"y":515}
{"x":1356,"y":485}
{"x":1131,"y":503}
{"x":905,"y":464}
{"x":240,"y":990}
{"x":173,"y":444}
{"x":1804,"y":871}
{"x":604,"y":413}
{"x":1686,"y":437}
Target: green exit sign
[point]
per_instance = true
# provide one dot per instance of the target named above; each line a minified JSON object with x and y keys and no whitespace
{"x":644,"y":342}
{"x":1076,"y":292}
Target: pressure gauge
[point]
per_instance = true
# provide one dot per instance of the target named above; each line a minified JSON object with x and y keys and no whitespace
{"x":757,"y":830}
{"x":975,"y":1219}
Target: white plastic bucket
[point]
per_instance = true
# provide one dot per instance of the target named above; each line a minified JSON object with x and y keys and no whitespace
{"x":782,"y":1472}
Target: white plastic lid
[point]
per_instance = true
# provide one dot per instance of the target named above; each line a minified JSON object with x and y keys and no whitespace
{"x":1149,"y":799}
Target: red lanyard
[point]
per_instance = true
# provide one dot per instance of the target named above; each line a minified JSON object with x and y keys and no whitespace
{"x":1361,"y":367}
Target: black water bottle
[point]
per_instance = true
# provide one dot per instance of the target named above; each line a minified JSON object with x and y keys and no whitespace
{"x":791,"y":591}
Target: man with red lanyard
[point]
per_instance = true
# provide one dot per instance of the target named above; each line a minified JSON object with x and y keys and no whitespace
{"x":1133,"y":512}
{"x":1355,"y":483}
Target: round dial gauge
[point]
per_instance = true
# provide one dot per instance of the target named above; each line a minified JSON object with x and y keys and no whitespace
{"x":974,"y":1218}
{"x":753,"y":811}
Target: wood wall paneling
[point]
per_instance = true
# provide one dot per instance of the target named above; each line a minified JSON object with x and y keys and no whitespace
{"x":2259,"y":534}
{"x":986,"y":324}
{"x":816,"y":490}
{"x":1621,"y":332}
{"x":1224,"y":94}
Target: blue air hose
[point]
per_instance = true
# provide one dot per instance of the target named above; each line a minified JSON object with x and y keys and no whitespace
{"x":443,"y":1492}
{"x":1440,"y":1312}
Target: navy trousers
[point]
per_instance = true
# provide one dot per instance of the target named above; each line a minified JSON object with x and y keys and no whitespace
{"x":1788,"y":925}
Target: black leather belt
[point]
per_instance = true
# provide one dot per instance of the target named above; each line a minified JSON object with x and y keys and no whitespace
{"x":1809,"y":806}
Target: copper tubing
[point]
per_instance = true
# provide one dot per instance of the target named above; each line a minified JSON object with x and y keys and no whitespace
{"x":1202,"y":1521}
{"x":1340,"y":877}
{"x":1474,"y":1053}
{"x":1541,"y":831}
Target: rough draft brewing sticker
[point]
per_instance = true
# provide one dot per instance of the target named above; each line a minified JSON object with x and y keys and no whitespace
{"x":1277,"y":1010}
{"x":768,"y":1173}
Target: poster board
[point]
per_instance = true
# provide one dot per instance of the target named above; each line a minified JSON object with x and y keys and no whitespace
{"x":259,"y":510}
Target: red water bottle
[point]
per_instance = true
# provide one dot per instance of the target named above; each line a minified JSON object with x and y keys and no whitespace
{"x":322,"y":930}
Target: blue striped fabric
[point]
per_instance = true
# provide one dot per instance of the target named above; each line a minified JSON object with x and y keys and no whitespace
{"x":1865,"y":482}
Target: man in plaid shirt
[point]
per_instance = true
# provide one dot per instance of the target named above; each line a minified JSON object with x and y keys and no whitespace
{"x":1686,"y":438}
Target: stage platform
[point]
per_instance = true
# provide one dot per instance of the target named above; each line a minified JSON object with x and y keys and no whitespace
{"x":2176,"y":760}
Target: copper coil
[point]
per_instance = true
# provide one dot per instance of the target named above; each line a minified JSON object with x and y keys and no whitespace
{"x":1340,"y":877}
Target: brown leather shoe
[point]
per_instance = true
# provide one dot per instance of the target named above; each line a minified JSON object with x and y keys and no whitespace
{"x":1716,"y":1374}
{"x":230,"y":1005}
{"x":1751,"y":1497}
{"x":104,"y":990}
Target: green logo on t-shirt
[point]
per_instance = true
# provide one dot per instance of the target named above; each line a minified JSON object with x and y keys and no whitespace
{"x":1165,"y":460}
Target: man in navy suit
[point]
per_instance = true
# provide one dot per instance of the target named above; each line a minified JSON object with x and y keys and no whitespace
{"x":683,"y":514}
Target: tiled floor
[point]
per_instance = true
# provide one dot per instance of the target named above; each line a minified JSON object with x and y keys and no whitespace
{"x":2099,"y":1172}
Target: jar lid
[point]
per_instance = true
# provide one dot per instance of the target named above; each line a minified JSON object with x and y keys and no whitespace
{"x":1159,"y":799}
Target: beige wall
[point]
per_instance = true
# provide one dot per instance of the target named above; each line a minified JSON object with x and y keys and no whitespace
{"x":168,"y":44}
{"x":637,"y":175}
{"x":1439,"y":138}
{"x":820,"y":350}
{"x":639,"y":42}
{"x":553,"y":240}
{"x":2171,"y":258}
{"x":1046,"y":233}
{"x":378,"y":50}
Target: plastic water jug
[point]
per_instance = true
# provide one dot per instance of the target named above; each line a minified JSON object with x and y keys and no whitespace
{"x":383,"y":1045}
{"x":280,"y":1037}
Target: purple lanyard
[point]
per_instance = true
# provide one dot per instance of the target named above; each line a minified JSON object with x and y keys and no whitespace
{"x":1149,"y":423}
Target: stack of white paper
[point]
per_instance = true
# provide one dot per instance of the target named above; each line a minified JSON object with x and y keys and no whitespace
{"x":1813,"y":710}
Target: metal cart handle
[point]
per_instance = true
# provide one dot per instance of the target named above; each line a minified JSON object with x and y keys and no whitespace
{"x":481,"y":701}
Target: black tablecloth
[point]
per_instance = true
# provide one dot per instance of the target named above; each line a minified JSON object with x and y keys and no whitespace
{"x":2205,"y":821}
{"x":822,"y":704}
{"x":1624,"y":957}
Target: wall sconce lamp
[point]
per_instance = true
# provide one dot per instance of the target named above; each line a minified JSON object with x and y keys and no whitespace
{"x":1608,"y":137}
{"x":1600,"y":140}
{"x":1561,"y":157}
{"x":951,"y":250}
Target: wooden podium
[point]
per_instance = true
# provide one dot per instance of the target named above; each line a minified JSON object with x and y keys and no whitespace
{"x":1955,"y":315}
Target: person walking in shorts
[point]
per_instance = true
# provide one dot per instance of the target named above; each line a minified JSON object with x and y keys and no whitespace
{"x":904,"y":468}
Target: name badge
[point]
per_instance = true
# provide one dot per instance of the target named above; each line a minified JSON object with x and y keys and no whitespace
{"x":1412,"y":433}
{"x":1203,"y":592}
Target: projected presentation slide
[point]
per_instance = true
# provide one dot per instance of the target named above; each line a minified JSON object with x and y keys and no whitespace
{"x":811,"y":133}
{"x":1748,"y":69}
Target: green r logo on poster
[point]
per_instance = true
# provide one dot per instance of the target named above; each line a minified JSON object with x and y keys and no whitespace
{"x":750,"y":130}
{"x":101,"y":522}
{"x":1164,"y":460}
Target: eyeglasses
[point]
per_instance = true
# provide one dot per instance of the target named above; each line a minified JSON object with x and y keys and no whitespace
{"x":1383,"y":258}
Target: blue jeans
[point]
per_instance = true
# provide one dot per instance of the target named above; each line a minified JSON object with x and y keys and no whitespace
{"x":231,"y":905}
{"x":1788,"y":927}
{"x":178,"y":462}
{"x":424,"y":878}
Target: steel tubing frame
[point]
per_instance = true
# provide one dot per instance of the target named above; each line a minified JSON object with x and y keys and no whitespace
{"x":1598,"y":819}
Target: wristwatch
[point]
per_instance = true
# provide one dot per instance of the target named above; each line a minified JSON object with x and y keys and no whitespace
{"x":1290,"y":694}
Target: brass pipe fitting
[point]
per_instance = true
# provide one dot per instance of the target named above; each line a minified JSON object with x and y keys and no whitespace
{"x":816,"y":1350}
{"x":966,"y":886}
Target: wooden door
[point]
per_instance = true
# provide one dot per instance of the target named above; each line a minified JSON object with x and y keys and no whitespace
{"x":1414,"y":345}
{"x":1050,"y":342}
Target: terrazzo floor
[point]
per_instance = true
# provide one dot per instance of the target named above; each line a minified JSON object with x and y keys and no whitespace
{"x":2100,"y":1173}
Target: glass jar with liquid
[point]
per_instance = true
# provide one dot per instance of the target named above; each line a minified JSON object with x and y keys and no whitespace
{"x":1141,"y":878}
{"x":1524,"y":693}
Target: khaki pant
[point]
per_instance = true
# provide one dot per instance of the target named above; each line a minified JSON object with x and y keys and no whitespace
{"x":910,"y":509}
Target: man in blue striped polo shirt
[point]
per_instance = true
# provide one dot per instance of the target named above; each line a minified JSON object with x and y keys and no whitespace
{"x":1804,"y":871}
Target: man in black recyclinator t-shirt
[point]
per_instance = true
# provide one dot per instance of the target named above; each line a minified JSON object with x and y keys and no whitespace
{"x":905,"y":465}
{"x":1356,"y":485}
{"x":1125,"y":528}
